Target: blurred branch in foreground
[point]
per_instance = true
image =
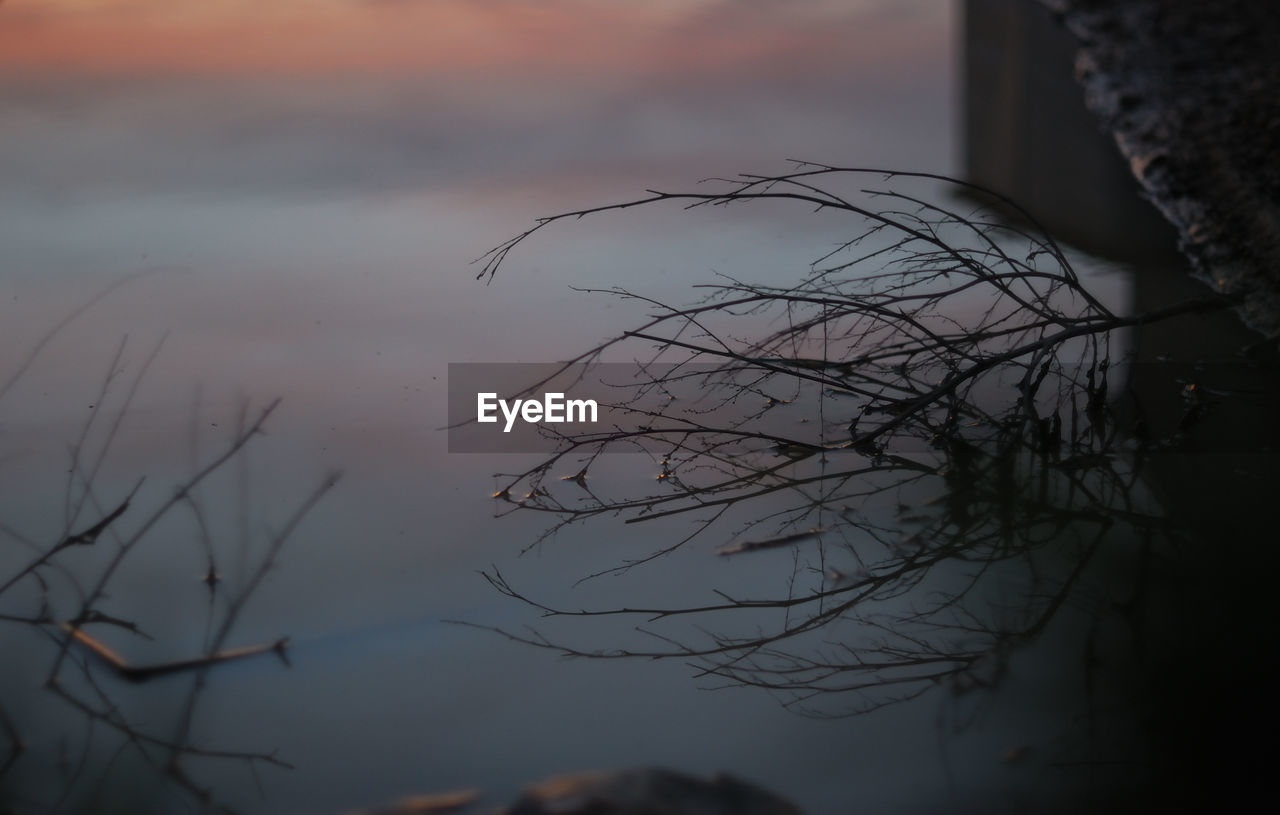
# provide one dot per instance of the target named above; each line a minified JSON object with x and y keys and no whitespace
{"x":68,"y":585}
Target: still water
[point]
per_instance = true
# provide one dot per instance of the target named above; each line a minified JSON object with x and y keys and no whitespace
{"x":284,"y":202}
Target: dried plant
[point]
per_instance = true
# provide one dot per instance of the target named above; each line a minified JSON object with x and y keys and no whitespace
{"x":925,"y":424}
{"x":63,"y":587}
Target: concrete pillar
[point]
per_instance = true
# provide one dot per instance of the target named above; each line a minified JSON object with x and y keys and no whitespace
{"x":1028,"y":135}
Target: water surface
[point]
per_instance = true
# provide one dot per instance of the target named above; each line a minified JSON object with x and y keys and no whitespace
{"x":293,"y":196}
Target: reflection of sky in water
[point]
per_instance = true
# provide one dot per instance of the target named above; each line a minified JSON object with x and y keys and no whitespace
{"x":308,"y":182}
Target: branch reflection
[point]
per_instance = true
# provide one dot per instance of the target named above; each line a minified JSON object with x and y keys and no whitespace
{"x":924,"y":421}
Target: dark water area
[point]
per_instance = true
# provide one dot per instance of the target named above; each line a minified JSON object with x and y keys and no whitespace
{"x":207,"y":209}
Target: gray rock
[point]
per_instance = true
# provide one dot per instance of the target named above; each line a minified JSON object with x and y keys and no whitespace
{"x":648,"y":791}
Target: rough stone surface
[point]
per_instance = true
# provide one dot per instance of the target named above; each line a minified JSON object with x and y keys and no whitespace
{"x":648,"y":791}
{"x":639,"y":791}
{"x":1191,"y":91}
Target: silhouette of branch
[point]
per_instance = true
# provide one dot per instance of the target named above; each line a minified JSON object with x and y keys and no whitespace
{"x":950,"y":470}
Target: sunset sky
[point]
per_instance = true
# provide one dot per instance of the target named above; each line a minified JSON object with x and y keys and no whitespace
{"x":389,"y":95}
{"x":398,"y":37}
{"x":269,"y":149}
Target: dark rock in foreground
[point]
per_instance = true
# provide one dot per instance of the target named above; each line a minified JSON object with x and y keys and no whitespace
{"x":648,"y":791}
{"x":641,"y":791}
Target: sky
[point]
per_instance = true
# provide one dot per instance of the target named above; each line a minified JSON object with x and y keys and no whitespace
{"x":351,"y":158}
{"x":339,"y":98}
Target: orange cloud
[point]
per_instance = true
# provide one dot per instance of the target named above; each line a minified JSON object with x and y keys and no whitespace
{"x":355,"y":37}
